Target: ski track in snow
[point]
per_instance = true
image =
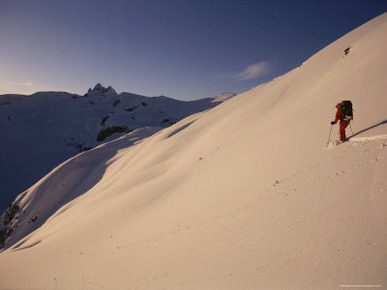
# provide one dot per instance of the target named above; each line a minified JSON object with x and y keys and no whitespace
{"x":239,"y":197}
{"x":382,"y":138}
{"x":356,"y":141}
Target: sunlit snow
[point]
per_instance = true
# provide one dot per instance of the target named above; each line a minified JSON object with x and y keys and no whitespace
{"x":243,"y":196}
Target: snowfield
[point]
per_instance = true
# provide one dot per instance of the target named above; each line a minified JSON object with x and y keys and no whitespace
{"x":244,"y":196}
{"x":40,"y":131}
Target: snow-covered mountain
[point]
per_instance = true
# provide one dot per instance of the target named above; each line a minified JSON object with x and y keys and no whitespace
{"x":40,"y":131}
{"x":243,"y":196}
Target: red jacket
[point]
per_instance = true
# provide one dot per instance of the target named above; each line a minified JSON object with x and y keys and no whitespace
{"x":339,"y":116}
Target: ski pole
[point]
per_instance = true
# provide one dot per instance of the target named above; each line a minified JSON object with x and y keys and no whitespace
{"x":351,"y":128}
{"x":329,"y":137}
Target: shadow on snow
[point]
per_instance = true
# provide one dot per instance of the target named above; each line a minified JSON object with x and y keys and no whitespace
{"x":51,"y":196}
{"x":369,"y":128}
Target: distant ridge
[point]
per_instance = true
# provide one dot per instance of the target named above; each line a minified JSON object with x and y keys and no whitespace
{"x":41,"y":130}
{"x":242,"y":196}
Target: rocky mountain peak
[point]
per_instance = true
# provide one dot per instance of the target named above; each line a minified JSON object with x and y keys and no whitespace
{"x":99,"y":89}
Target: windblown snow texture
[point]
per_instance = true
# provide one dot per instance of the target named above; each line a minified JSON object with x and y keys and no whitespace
{"x":243,"y":196}
{"x":40,"y":131}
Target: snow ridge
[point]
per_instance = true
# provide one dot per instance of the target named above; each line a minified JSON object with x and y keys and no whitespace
{"x":40,"y":131}
{"x":237,"y":197}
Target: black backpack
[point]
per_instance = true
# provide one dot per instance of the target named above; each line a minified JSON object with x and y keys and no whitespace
{"x":346,"y":110}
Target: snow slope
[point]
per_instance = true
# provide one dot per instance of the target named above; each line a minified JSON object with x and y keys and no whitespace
{"x":243,"y":196}
{"x":40,"y":131}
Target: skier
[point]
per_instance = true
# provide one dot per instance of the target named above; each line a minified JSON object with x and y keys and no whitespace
{"x":345,"y":115}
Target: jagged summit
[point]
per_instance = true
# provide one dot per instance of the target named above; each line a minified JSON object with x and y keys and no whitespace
{"x":99,"y":89}
{"x":61,"y":124}
{"x":242,"y":196}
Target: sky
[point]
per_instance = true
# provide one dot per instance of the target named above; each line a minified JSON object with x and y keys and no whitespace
{"x":181,"y":49}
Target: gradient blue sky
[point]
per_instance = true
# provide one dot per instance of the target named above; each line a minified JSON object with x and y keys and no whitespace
{"x":181,"y":49}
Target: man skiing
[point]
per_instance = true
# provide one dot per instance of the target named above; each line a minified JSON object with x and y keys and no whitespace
{"x":345,"y":115}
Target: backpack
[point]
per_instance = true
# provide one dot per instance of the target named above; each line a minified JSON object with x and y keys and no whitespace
{"x":346,"y":110}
